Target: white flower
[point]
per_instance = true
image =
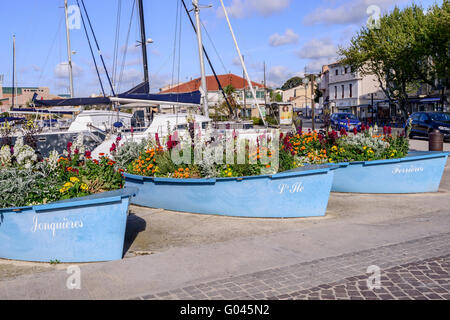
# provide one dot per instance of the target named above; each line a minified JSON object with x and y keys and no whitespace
{"x":5,"y":156}
{"x":53,"y":160}
{"x":24,"y":154}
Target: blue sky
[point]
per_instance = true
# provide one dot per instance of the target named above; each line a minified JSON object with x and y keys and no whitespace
{"x":288,"y":35}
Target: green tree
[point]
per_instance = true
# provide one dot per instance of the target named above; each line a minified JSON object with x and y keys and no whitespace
{"x":317,"y":94}
{"x":292,"y":83}
{"x":276,"y":97}
{"x":393,"y":52}
{"x":223,"y":109}
{"x":431,"y":50}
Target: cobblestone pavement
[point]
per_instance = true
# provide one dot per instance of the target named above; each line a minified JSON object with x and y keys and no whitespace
{"x":418,"y":269}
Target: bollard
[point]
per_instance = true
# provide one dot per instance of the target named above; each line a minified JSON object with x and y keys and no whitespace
{"x":436,"y":141}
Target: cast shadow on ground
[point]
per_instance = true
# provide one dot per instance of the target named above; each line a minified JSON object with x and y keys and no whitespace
{"x":135,"y":225}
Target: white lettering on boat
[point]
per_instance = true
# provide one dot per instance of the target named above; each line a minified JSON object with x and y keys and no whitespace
{"x":412,"y":169}
{"x":54,"y":226}
{"x":294,"y":188}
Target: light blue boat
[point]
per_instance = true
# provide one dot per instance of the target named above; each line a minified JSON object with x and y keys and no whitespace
{"x":300,"y":193}
{"x":418,"y":172}
{"x":87,"y":229}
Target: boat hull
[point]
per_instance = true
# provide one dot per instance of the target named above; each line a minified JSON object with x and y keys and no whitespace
{"x":419,"y":172}
{"x":87,"y":229}
{"x":303,"y":193}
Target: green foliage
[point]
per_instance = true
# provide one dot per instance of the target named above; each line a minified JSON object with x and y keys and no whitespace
{"x":26,"y":187}
{"x":409,"y":48}
{"x":258,"y":122}
{"x":129,"y":152}
{"x":292,"y":83}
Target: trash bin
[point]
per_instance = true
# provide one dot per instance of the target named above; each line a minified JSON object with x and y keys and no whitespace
{"x":436,"y":141}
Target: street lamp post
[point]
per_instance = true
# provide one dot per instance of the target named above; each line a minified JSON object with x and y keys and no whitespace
{"x":314,"y":80}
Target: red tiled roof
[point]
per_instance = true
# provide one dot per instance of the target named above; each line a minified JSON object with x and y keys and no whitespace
{"x":211,"y":83}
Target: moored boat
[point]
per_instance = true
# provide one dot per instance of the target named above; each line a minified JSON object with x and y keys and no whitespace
{"x":300,"y":193}
{"x":86,"y":229}
{"x":419,"y":172}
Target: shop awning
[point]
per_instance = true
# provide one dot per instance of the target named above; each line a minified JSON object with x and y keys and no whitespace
{"x":430,"y":100}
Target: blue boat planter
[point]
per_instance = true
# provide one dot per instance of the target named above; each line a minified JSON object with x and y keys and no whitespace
{"x":86,"y":229}
{"x":418,"y":172}
{"x":300,"y":193}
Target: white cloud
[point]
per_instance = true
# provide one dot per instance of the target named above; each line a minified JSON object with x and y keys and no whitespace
{"x":243,"y":8}
{"x":61,"y":70}
{"x":318,"y":48}
{"x":133,"y":49}
{"x":278,"y":75}
{"x":315,"y":65}
{"x":31,"y":68}
{"x":350,"y":12}
{"x":289,"y":37}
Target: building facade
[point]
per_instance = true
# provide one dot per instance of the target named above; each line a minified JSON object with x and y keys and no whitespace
{"x":242,"y":95}
{"x":351,"y":92}
{"x":23,"y":96}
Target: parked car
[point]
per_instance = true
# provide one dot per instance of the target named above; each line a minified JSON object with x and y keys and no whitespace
{"x":347,"y":121}
{"x":422,"y":123}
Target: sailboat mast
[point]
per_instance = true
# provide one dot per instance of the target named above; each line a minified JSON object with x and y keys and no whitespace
{"x":143,"y":41}
{"x":202,"y":61}
{"x":69,"y":50}
{"x":14,"y":72}
{"x":260,"y":109}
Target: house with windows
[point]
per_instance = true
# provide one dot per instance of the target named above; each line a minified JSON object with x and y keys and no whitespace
{"x":351,"y":92}
{"x":300,"y":98}
{"x":242,"y":94}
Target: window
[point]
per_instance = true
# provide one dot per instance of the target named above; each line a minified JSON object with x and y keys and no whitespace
{"x":346,"y":69}
{"x":343,"y":91}
{"x":351,"y":90}
{"x":423,"y":117}
{"x":337,"y":72}
{"x":335,"y":92}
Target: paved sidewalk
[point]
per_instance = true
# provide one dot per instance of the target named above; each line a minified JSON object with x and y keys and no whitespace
{"x":212,"y":257}
{"x":403,"y":276}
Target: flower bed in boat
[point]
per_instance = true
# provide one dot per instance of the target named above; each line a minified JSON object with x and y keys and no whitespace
{"x":334,"y":147}
{"x":155,"y":157}
{"x":27,"y":181}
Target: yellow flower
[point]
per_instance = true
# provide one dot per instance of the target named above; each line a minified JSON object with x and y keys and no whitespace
{"x":68,"y":185}
{"x":334,"y":148}
{"x":365,"y":148}
{"x":84,"y":186}
{"x":74,"y":180}
{"x":63,"y":190}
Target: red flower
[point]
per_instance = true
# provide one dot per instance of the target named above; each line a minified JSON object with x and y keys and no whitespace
{"x":76,"y":151}
{"x":355,"y":131}
{"x":113,"y":148}
{"x":88,"y":154}
{"x":69,"y":146}
{"x":157,"y":139}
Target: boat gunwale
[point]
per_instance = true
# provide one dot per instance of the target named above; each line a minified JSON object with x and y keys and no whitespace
{"x":282,"y":175}
{"x":422,"y":155}
{"x":91,"y":200}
